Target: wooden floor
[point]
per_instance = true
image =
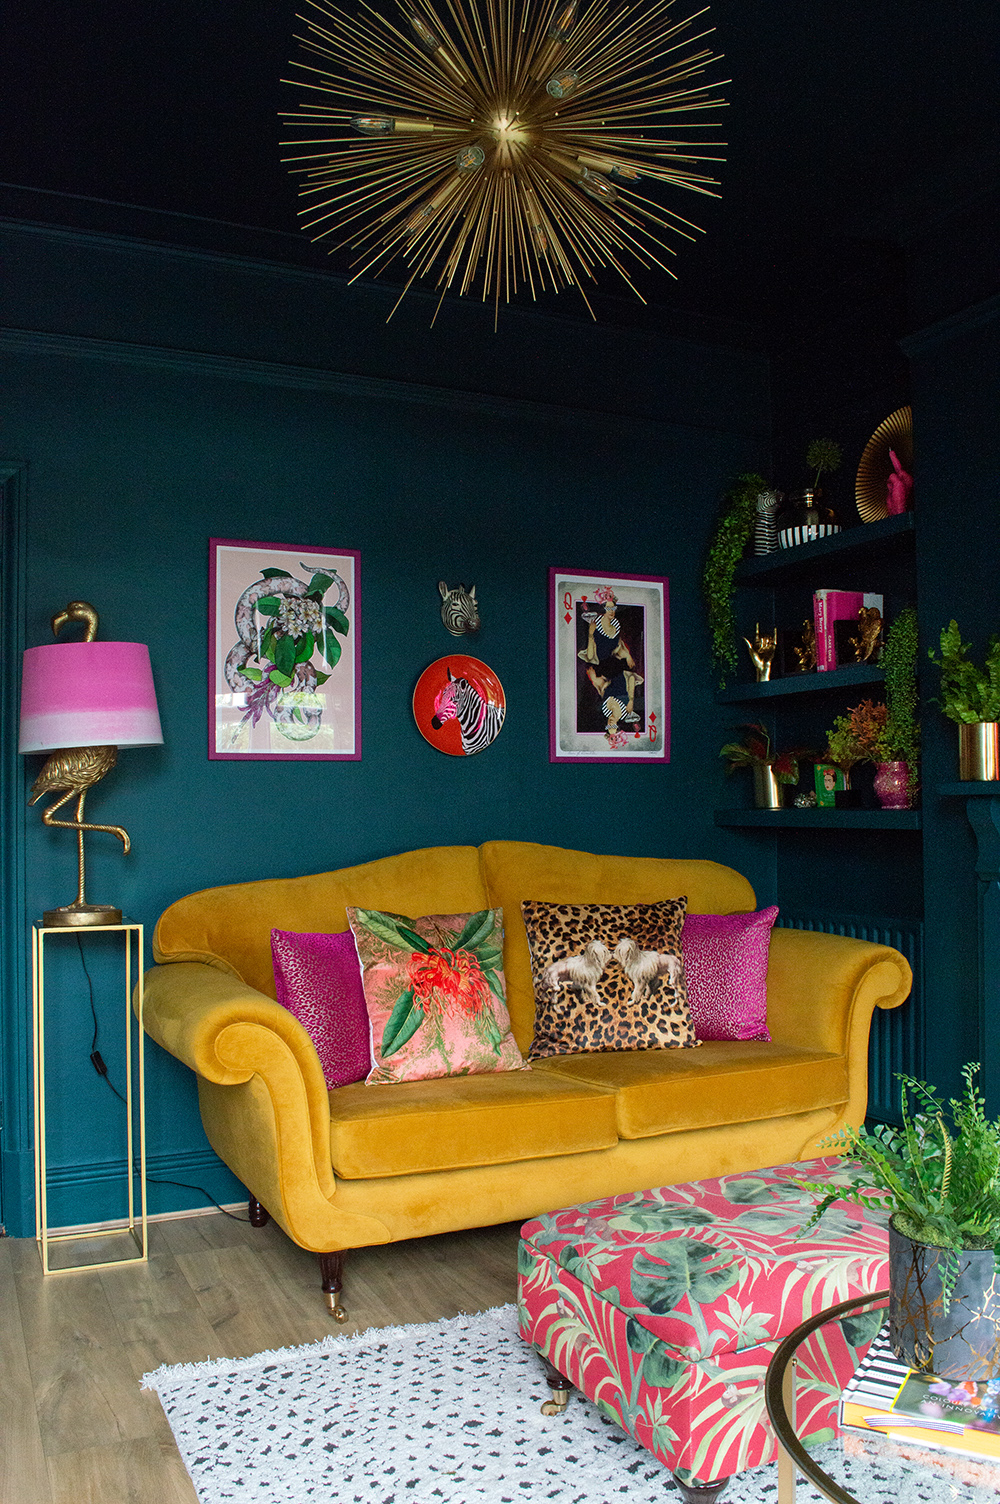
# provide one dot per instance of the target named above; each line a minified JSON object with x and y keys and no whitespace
{"x":75,"y":1428}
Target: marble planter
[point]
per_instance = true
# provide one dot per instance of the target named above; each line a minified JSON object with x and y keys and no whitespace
{"x":965,"y":1343}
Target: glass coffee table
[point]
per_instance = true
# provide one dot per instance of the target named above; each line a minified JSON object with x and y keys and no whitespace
{"x":856,"y":1467}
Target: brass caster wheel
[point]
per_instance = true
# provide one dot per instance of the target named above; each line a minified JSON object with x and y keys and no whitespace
{"x":557,"y":1404}
{"x":335,"y":1308}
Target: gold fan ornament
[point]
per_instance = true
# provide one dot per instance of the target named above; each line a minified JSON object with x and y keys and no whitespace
{"x":506,"y":144}
{"x":893,"y":436}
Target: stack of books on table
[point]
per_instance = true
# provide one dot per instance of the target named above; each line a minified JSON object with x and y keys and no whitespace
{"x":829,"y":607}
{"x":946,"y":1415}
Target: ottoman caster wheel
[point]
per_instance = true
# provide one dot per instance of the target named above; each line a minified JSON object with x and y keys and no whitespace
{"x":557,"y":1404}
{"x":699,"y":1493}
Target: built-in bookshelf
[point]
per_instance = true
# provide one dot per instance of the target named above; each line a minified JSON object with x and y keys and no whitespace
{"x":776,"y":590}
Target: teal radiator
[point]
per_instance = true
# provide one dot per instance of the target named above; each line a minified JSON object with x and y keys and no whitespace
{"x":896,"y":1042}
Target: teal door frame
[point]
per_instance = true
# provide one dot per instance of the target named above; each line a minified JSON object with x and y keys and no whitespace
{"x":16,"y":1148}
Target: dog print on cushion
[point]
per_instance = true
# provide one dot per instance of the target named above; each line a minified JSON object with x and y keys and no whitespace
{"x":607,"y":977}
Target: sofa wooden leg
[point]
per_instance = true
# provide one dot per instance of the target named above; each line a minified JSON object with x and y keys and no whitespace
{"x":331,"y":1267}
{"x":559,"y":1389}
{"x":259,"y":1217}
{"x":699,"y":1493}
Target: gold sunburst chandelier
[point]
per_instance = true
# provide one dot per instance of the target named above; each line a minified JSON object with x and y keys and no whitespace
{"x":502,"y":144}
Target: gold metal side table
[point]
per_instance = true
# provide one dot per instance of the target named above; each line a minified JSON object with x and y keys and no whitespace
{"x":933,"y":1482}
{"x":135,"y":1172}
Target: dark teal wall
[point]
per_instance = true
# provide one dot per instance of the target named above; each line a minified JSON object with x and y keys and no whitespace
{"x":159,"y":400}
{"x":956,"y":379}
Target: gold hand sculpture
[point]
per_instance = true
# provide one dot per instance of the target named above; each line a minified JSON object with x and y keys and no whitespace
{"x":762,"y":650}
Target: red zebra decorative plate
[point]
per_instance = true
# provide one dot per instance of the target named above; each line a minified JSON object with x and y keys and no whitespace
{"x":459,"y":705}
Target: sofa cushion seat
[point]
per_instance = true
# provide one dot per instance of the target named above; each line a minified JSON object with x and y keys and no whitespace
{"x":458,"y":1122}
{"x":726,"y":1081}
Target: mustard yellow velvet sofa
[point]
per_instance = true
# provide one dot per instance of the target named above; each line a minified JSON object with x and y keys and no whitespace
{"x":374,"y":1164}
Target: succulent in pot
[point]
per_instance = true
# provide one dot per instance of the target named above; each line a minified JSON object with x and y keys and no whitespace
{"x":939,"y":1178}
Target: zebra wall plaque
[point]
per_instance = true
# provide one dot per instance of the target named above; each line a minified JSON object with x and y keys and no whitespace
{"x":459,"y":705}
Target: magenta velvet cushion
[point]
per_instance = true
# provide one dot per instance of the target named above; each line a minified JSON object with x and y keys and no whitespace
{"x":318,"y":978}
{"x":725,"y":961}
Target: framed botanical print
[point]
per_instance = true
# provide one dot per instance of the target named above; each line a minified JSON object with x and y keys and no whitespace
{"x":284,"y":652}
{"x":609,"y":667}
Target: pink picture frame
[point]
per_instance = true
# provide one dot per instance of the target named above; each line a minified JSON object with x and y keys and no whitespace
{"x":609,"y":667}
{"x":284,"y":677}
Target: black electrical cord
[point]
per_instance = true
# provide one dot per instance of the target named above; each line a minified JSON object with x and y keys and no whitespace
{"x":96,"y":1058}
{"x":97,"y":1061}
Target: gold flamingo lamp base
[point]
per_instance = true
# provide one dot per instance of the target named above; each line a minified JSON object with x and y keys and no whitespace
{"x":97,"y":761}
{"x":82,"y":913}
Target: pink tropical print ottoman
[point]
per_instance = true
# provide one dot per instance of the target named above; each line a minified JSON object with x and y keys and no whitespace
{"x":666,"y":1306}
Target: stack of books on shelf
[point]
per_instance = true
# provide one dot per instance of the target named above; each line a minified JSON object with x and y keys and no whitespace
{"x":884,"y":1396}
{"x":830,"y":607}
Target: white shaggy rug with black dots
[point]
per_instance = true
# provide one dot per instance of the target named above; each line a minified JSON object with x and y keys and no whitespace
{"x":448,"y":1412}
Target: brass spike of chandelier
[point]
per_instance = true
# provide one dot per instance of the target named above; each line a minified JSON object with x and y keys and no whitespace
{"x":505,"y":146}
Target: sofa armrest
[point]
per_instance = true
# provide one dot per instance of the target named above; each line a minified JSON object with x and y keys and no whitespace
{"x":199,"y":1014}
{"x":821,"y":993}
{"x":263,"y":1097}
{"x":816,"y":983}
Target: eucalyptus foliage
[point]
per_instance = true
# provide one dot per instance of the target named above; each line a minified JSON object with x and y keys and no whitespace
{"x":968,"y":694}
{"x":941,"y":1181}
{"x":733,"y":531}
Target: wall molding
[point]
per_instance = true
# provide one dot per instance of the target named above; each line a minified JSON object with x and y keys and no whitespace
{"x":15,"y":1026}
{"x":175,"y":1170}
{"x":953,"y":327}
{"x":39,"y":342}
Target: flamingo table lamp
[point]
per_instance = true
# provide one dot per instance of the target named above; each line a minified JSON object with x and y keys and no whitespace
{"x":81,"y":701}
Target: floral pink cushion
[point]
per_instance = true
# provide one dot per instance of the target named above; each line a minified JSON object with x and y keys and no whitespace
{"x":318,"y":978}
{"x":435,"y":994}
{"x":725,"y":960}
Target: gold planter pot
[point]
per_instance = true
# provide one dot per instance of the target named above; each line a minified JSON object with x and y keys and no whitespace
{"x":979,"y":751}
{"x":768,"y":793}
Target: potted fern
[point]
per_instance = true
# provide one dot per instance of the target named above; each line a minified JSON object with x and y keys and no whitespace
{"x":940,"y":1180}
{"x":970,"y":696}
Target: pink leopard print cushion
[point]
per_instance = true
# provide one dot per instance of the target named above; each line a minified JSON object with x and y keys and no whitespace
{"x":725,"y":962}
{"x":318,"y":978}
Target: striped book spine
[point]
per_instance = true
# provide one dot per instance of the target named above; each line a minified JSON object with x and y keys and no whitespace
{"x":866,"y":1405}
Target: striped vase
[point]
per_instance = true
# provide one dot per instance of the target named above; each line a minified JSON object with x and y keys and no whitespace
{"x":765,"y":537}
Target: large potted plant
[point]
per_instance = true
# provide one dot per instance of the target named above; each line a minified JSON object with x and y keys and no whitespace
{"x":970,"y":696}
{"x":771,"y":770}
{"x":940,"y":1181}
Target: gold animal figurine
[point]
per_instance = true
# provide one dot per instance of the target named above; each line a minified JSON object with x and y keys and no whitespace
{"x":868,"y":634}
{"x":806,"y":654}
{"x":762,"y":650}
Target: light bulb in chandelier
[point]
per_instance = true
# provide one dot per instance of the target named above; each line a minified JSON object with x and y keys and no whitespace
{"x":563,"y":84}
{"x":431,"y":43}
{"x":470,"y":158}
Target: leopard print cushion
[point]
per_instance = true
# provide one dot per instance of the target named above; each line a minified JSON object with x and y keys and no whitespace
{"x":608,"y":977}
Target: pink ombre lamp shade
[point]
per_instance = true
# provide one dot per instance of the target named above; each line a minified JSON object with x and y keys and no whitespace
{"x":88,"y":694}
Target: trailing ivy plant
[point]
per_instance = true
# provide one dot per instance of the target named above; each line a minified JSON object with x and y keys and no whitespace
{"x":968,"y":694}
{"x":733,"y":531}
{"x":900,"y":741}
